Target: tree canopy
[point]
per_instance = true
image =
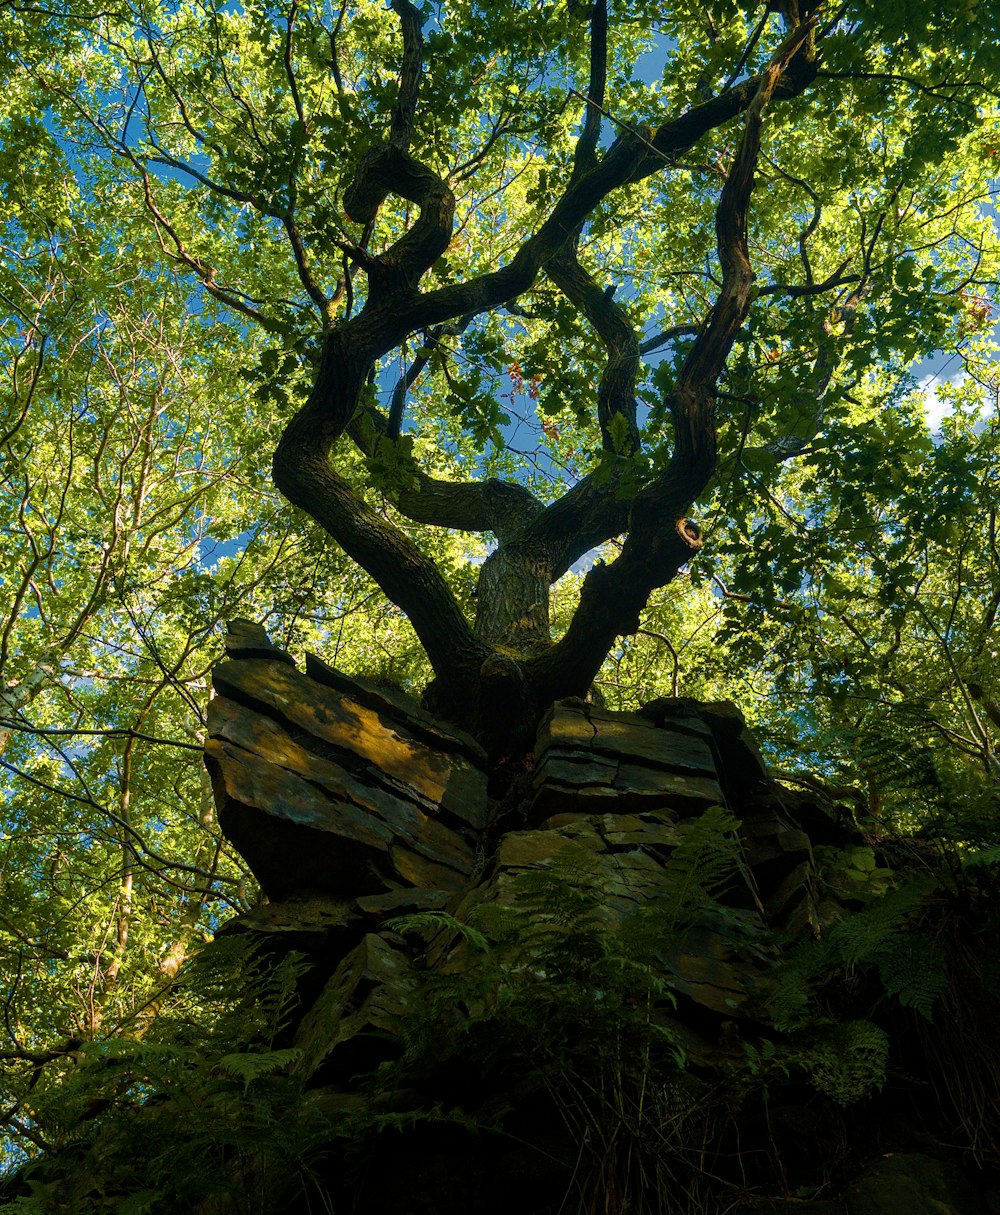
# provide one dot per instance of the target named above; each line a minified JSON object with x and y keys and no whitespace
{"x":514,"y":349}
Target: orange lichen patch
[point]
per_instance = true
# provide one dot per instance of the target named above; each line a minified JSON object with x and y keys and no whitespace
{"x":392,"y":756}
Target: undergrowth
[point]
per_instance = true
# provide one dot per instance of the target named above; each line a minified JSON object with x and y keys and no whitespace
{"x":202,"y":1111}
{"x":560,"y":992}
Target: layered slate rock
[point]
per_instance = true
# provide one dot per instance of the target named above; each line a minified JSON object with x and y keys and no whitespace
{"x":625,"y":856}
{"x":327,"y":793}
{"x":740,"y":768}
{"x":320,"y":927}
{"x":352,"y":805}
{"x":362,"y":1005}
{"x":588,"y":760}
{"x":779,"y":855}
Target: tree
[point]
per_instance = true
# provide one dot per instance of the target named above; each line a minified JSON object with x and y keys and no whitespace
{"x":585,"y":333}
{"x":465,"y":192}
{"x":502,"y":291}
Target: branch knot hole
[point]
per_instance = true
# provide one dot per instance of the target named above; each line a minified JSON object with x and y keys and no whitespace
{"x":690,"y":533}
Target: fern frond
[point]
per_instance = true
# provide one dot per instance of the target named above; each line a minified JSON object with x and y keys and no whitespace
{"x":863,"y":935}
{"x":849,"y":1062}
{"x":421,"y":922}
{"x":913,"y":970}
{"x":698,"y":869}
{"x":250,"y":1067}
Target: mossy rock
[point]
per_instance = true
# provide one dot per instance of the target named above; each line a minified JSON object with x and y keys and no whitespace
{"x":910,"y":1184}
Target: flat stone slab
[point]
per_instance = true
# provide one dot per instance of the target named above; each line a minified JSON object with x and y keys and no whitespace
{"x":307,"y":840}
{"x":619,"y":832}
{"x":591,"y":785}
{"x":587,"y":759}
{"x":708,"y":971}
{"x":315,"y":915}
{"x":398,"y":707}
{"x":574,"y":725}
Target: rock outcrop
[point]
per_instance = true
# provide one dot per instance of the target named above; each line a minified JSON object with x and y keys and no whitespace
{"x":328,"y":787}
{"x":629,"y":972}
{"x":353,"y":806}
{"x":350,"y":804}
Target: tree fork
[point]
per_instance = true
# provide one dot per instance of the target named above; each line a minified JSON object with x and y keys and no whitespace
{"x":511,"y":631}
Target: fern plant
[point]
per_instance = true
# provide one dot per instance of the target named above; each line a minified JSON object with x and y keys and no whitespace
{"x":884,"y":937}
{"x":843,"y":1060}
{"x":204,"y":1106}
{"x":551,"y":983}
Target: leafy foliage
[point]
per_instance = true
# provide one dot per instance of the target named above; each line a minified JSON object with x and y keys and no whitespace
{"x":203,"y":1104}
{"x":883,"y":935}
{"x":177,"y":252}
{"x":845,"y":1061}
